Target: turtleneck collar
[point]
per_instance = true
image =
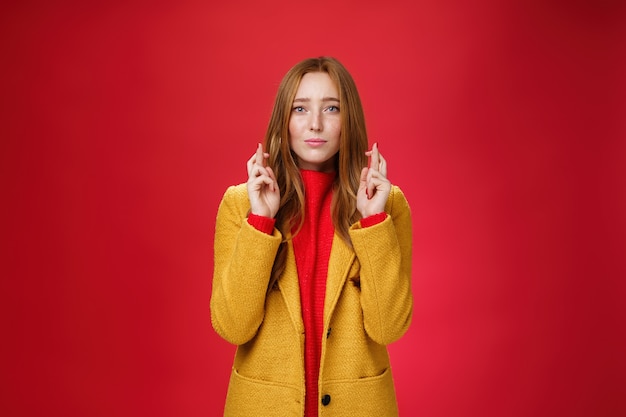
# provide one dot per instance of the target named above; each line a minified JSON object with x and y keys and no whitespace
{"x":316,"y":182}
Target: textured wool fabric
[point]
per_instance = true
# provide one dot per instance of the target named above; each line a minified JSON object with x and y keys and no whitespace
{"x":312,"y":246}
{"x":367,"y":305}
{"x":373,"y":219}
{"x":262,"y":223}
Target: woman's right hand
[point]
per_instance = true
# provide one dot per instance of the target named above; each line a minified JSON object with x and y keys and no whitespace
{"x":263,"y":189}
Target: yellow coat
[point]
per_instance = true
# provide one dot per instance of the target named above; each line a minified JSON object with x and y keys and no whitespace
{"x":267,"y":378}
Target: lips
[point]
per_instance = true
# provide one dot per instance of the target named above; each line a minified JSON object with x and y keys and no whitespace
{"x":315,"y":141}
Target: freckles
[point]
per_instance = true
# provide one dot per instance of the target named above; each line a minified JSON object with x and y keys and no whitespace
{"x":297,"y":126}
{"x":293,"y":127}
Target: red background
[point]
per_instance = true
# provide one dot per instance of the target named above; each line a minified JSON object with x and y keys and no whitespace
{"x":123,"y":123}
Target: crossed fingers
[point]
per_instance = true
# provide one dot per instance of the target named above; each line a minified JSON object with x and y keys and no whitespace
{"x":258,"y":173}
{"x":377,"y":172}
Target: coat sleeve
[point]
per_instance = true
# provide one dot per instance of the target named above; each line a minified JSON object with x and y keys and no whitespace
{"x":384,"y":252}
{"x":243,"y":262}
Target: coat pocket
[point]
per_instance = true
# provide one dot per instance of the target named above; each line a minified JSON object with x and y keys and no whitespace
{"x":373,"y":396}
{"x":250,"y":397}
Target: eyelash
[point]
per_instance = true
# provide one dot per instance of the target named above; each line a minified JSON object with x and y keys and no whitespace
{"x":300,"y":108}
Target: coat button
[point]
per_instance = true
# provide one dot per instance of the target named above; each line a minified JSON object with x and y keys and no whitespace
{"x":326,"y":399}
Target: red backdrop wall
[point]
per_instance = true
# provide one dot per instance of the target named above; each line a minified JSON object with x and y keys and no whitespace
{"x":123,"y":123}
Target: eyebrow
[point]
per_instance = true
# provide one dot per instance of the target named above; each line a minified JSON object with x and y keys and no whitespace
{"x":306,"y":100}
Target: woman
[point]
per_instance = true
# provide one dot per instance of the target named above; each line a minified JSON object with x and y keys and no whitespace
{"x":312,"y":273}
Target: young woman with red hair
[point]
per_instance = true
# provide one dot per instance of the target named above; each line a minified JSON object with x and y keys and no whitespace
{"x":312,"y":274}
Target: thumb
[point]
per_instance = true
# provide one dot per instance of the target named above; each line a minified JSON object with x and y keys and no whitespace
{"x":363,"y":181}
{"x":363,"y":178}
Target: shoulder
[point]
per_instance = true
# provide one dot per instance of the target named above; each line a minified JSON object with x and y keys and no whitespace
{"x":235,"y":200}
{"x":236,"y":192}
{"x":397,"y":202}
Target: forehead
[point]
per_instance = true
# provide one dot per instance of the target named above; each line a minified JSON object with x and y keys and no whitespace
{"x":316,"y":84}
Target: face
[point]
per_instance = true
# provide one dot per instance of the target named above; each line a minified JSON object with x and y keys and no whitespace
{"x":315,"y":123}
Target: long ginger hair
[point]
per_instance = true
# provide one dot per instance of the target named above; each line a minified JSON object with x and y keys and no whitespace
{"x":349,"y":161}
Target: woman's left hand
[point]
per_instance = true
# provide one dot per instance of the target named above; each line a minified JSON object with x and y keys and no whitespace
{"x":374,"y":187}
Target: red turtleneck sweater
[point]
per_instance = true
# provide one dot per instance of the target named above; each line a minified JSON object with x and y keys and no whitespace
{"x":312,"y":247}
{"x":312,"y":250}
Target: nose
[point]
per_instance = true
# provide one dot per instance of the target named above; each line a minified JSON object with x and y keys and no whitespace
{"x":316,"y":122}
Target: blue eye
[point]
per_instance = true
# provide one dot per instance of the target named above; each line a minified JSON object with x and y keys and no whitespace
{"x":333,"y":108}
{"x":298,"y":109}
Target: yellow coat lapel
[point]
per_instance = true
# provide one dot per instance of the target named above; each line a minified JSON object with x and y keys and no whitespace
{"x":290,"y":289}
{"x":339,"y":264}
